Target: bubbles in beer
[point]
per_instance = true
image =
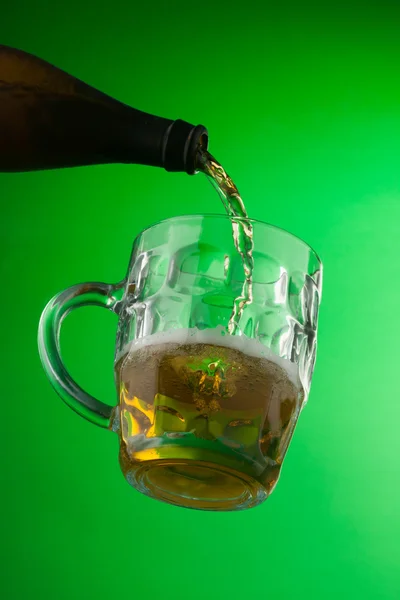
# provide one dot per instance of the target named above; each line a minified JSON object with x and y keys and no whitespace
{"x":224,"y":401}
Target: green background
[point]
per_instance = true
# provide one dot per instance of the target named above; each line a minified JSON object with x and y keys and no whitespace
{"x":303,"y":109}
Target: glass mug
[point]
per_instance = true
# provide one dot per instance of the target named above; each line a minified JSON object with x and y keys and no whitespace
{"x":204,"y":417}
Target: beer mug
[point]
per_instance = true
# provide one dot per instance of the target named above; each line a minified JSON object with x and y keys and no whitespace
{"x":204,"y":416}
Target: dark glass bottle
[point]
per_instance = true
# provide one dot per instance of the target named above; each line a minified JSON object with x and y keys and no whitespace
{"x":50,"y":120}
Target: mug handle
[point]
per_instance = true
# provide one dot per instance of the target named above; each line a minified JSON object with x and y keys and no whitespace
{"x":84,"y":294}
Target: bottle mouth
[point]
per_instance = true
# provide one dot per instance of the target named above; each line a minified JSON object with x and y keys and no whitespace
{"x":181,"y":144}
{"x":197,"y":143}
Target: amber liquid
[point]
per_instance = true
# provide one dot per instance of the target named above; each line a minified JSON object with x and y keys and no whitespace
{"x":242,"y":230}
{"x":202,"y":425}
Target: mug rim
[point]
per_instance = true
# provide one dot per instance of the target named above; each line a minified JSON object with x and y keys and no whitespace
{"x":219,"y":216}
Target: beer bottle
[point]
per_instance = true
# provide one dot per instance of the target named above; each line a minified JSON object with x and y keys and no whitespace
{"x":51,"y":120}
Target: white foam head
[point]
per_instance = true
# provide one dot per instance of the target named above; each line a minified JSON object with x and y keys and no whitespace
{"x":215,"y":337}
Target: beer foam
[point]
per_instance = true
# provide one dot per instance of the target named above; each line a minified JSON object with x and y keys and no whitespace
{"x":214,"y":337}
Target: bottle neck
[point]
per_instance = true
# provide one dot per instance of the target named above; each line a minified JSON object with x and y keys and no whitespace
{"x":181,"y":145}
{"x":160,"y":142}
